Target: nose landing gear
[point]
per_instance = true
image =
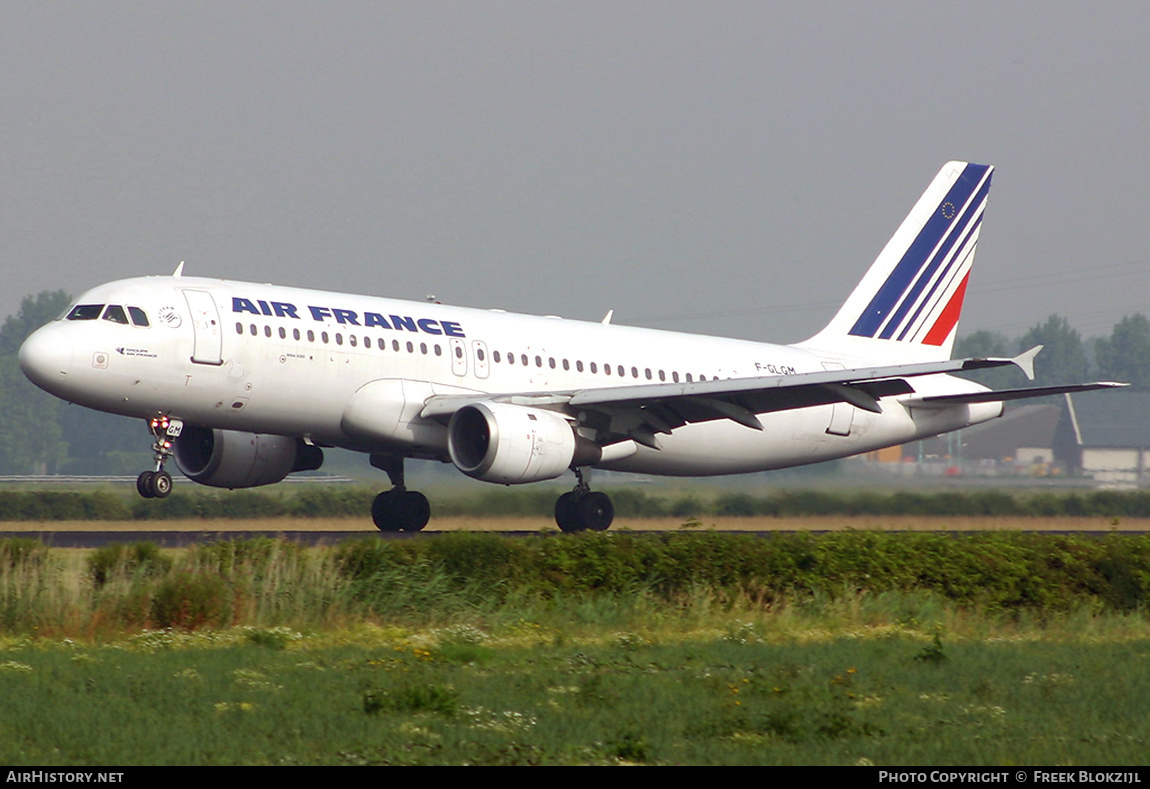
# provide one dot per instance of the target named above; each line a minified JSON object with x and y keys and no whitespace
{"x":157,"y":484}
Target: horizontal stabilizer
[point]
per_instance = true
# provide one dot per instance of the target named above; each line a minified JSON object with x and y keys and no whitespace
{"x":1025,"y":361}
{"x":945,"y":401}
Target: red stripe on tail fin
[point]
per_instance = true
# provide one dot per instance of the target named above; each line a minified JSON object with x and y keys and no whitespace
{"x":949,"y":317}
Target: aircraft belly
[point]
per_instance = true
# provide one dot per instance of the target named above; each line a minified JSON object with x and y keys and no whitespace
{"x":793,"y":438}
{"x":278,"y":392}
{"x":788,"y":438}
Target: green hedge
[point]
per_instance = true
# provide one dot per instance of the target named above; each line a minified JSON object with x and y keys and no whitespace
{"x":996,"y":570}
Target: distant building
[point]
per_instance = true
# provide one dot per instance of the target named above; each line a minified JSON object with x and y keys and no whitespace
{"x":1106,"y":435}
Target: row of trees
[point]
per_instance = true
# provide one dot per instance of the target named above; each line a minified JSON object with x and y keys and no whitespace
{"x":41,"y":435}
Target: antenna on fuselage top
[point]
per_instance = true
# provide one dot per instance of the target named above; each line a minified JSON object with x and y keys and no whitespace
{"x":607,"y":318}
{"x":179,"y":272}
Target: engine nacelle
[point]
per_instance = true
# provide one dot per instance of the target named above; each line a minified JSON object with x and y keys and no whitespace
{"x":496,"y":442}
{"x":231,"y":459}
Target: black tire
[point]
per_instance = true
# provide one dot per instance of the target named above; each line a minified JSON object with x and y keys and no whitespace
{"x":144,"y":484}
{"x":567,"y":513}
{"x":414,"y":509}
{"x":596,"y":511}
{"x":383,"y":512}
{"x":400,"y":510}
{"x":161,"y":484}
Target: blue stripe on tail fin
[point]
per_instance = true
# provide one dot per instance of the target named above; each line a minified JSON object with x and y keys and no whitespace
{"x":912,"y":295}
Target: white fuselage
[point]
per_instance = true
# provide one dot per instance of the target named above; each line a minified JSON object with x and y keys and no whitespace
{"x":287,"y":361}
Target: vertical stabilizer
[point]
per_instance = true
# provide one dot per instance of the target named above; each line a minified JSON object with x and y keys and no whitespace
{"x":908,"y":304}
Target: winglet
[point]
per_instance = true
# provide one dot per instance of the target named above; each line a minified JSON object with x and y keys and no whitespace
{"x":179,"y":272}
{"x":1025,"y":361}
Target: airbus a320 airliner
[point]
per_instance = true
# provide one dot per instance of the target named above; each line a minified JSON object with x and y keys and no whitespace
{"x":245,"y":383}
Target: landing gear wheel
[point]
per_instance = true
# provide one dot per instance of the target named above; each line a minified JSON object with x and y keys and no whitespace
{"x":567,"y":513}
{"x":144,"y":484}
{"x":596,"y":511}
{"x":161,"y":484}
{"x":415,"y":509}
{"x":382,"y":511}
{"x":580,"y":510}
{"x":400,"y":510}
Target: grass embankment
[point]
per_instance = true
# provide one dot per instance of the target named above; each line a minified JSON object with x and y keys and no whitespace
{"x":683,"y":648}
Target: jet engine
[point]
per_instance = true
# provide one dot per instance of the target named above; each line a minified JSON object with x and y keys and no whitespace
{"x":232,"y":459}
{"x":510,"y":444}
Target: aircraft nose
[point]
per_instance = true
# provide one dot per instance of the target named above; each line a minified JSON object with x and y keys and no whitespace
{"x":46,"y":357}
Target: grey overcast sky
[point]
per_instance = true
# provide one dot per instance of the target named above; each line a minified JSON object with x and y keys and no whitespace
{"x":716,"y":167}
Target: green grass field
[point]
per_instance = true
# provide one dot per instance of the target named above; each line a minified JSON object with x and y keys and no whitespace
{"x":859,"y":648}
{"x":530,"y":694}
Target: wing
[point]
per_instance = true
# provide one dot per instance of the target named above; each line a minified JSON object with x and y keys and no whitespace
{"x":643,"y":411}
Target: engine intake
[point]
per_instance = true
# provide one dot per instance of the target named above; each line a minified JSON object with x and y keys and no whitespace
{"x":510,"y":444}
{"x":233,"y":459}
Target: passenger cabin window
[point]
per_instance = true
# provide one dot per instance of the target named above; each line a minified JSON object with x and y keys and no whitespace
{"x":115,"y":313}
{"x":85,"y":312}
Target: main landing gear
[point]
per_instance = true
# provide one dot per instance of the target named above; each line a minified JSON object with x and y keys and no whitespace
{"x":398,"y":509}
{"x":582,"y":508}
{"x":157,"y":484}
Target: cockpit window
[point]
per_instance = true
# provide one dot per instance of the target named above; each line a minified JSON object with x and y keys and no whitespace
{"x":115,"y":313}
{"x":139,"y":318}
{"x":85,"y":312}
